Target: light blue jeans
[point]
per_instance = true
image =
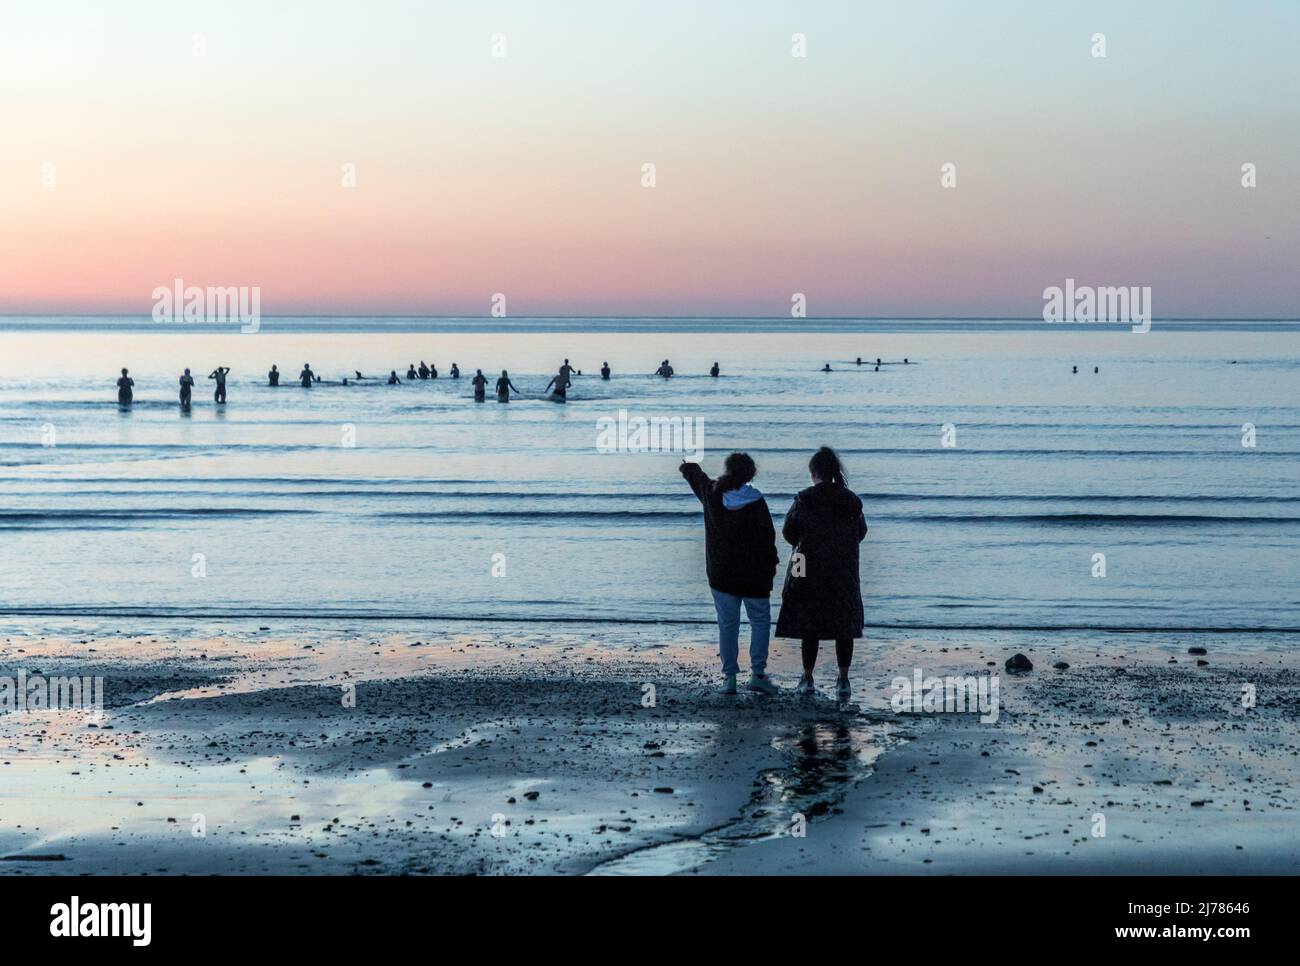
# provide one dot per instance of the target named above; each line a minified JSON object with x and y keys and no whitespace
{"x":759,"y":612}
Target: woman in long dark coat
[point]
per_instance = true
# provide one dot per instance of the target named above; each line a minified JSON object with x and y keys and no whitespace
{"x":822,"y":596}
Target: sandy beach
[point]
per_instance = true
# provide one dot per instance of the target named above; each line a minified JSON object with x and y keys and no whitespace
{"x":395,"y":749}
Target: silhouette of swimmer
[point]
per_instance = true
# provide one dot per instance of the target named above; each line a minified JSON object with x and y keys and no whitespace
{"x":1074,"y":369}
{"x":714,"y":371}
{"x":826,"y":368}
{"x":905,"y":360}
{"x":455,"y":371}
{"x":504,"y":385}
{"x":877,"y":369}
{"x":859,"y":361}
{"x":1096,"y":369}
{"x":410,"y":371}
{"x":604,"y":371}
{"x":423,"y":370}
{"x":479,"y":382}
{"x":273,"y":377}
{"x":219,"y":374}
{"x":187,"y":387}
{"x":566,"y":371}
{"x":877,"y":360}
{"x":561,"y":382}
{"x":665,"y":370}
{"x":307,"y":377}
{"x":392,"y":377}
{"x":433,"y":371}
{"x":124,"y":393}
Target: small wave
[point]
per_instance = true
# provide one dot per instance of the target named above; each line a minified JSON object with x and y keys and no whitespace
{"x":1111,"y":519}
{"x":259,"y":612}
{"x":144,"y":513}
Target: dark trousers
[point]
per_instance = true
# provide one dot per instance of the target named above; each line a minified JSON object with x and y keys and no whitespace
{"x":843,"y":652}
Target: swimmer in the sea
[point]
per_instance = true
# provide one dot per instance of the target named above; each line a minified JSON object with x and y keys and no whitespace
{"x":560,"y":383}
{"x":455,"y":371}
{"x":715,"y":371}
{"x":124,"y":389}
{"x":187,"y":388}
{"x":604,"y":372}
{"x":392,"y":378}
{"x":504,"y":385}
{"x":219,"y":374}
{"x":566,"y":373}
{"x":273,"y":377}
{"x":423,"y":371}
{"x":479,"y":382}
{"x":307,"y":377}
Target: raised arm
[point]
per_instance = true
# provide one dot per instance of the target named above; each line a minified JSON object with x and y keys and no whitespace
{"x":697,"y":478}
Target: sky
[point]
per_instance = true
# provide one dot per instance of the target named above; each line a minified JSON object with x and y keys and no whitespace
{"x":207,"y":141}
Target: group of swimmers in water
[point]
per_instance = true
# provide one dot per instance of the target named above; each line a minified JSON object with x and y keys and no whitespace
{"x":556,"y":390}
{"x":859,"y":362}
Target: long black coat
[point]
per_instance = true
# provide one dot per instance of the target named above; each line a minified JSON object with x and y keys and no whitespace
{"x":825,"y":525}
{"x":739,"y":545}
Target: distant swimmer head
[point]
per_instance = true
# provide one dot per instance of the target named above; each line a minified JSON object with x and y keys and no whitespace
{"x":504,"y":373}
{"x":273,"y":367}
{"x":124,"y":370}
{"x":738,"y":469}
{"x":825,"y":467}
{"x":187,"y":372}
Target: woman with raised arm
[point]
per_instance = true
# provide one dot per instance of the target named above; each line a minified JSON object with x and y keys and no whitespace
{"x":740,"y":558}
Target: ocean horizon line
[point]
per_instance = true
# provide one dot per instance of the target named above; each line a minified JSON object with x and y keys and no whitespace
{"x":1031,"y":319}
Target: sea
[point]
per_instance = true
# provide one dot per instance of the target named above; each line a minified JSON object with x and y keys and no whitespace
{"x":1156,"y":489}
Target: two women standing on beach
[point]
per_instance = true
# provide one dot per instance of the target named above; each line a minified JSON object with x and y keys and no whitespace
{"x":822,"y":596}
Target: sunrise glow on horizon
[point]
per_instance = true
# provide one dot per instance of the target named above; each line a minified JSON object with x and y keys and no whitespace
{"x":211,"y":143}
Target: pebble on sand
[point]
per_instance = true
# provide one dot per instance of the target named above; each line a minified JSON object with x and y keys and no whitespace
{"x":1018,"y":662}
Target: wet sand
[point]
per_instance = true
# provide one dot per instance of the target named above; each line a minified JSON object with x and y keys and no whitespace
{"x":339,"y":750}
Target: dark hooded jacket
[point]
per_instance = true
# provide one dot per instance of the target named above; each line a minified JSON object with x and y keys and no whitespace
{"x":740,"y":544}
{"x":825,"y":525}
